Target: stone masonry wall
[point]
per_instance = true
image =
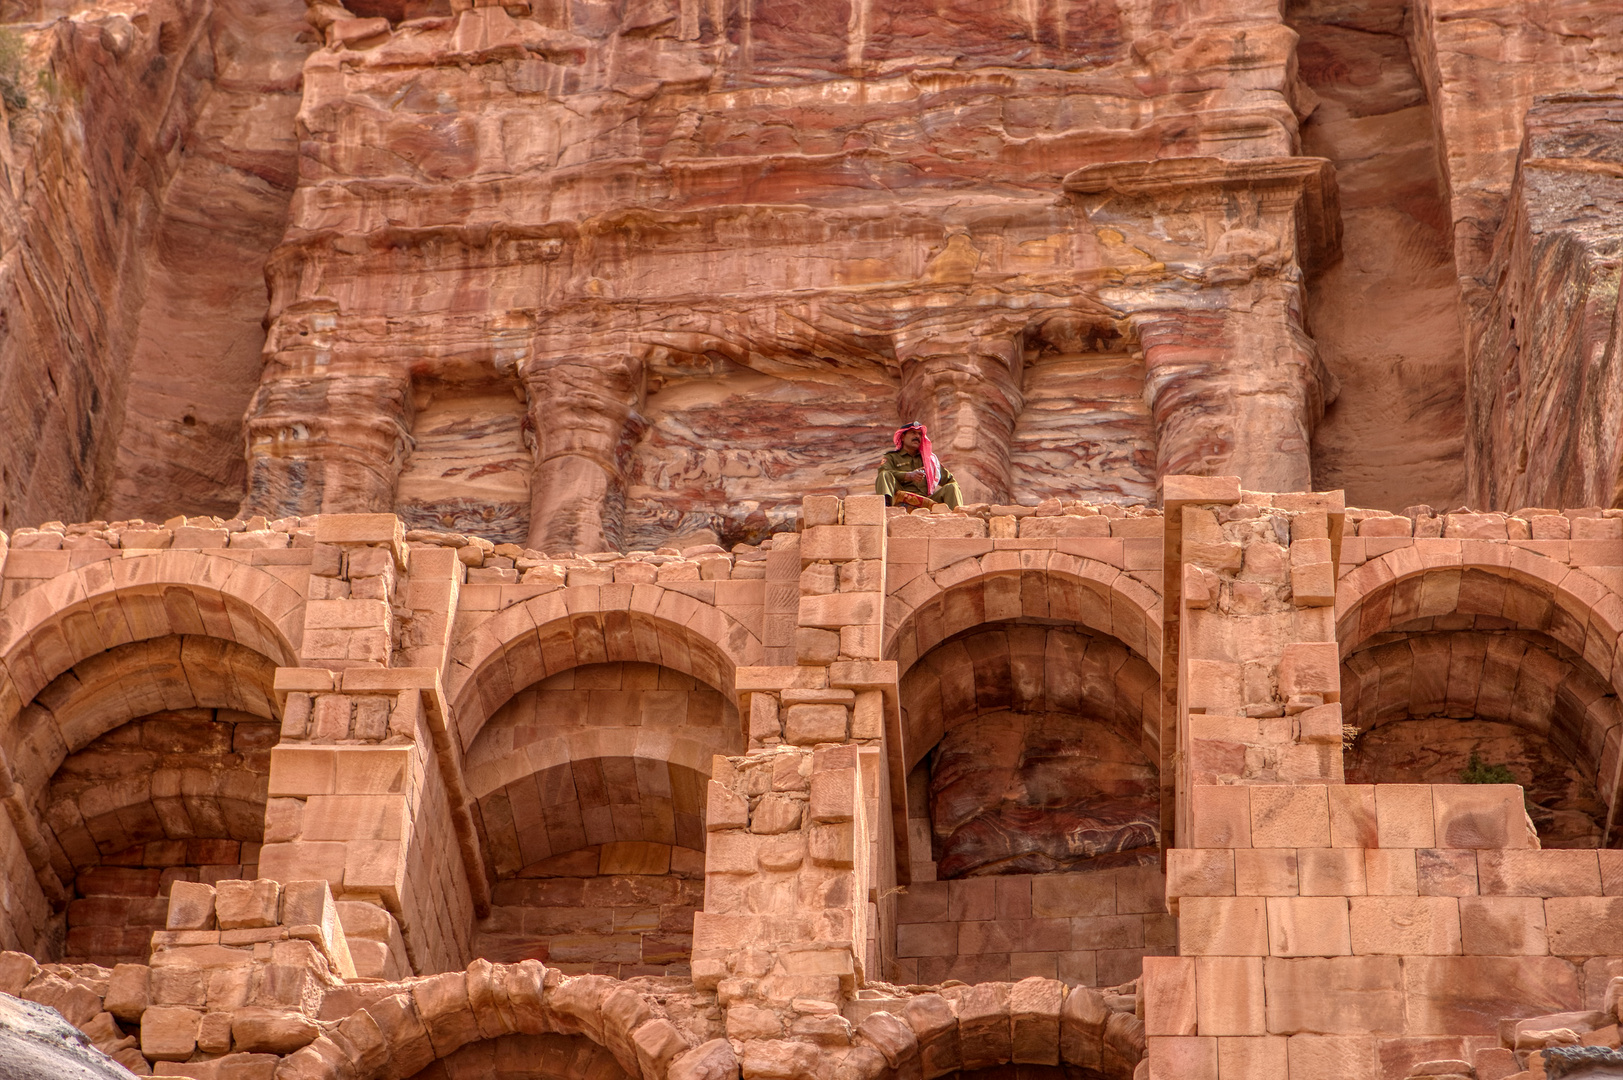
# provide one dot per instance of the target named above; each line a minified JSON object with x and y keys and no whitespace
{"x":1091,"y":929}
{"x":1305,"y":927}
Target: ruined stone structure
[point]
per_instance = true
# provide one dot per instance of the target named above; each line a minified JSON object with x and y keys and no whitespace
{"x":446,"y":630}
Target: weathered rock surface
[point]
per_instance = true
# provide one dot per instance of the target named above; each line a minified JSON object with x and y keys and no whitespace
{"x":1386,"y":316}
{"x":37,"y":1044}
{"x":1548,"y":383}
{"x":1484,"y":68}
{"x":717,"y":257}
{"x":1021,"y":793}
{"x":1582,"y":1063}
{"x":146,"y":181}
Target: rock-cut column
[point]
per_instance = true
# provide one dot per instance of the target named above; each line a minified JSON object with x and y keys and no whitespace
{"x":964,"y":383}
{"x":333,"y":445}
{"x":1207,"y":258}
{"x":583,"y":412}
{"x":1235,"y":391}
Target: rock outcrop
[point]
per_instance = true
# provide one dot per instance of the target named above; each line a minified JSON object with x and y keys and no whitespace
{"x":715,"y":256}
{"x":37,"y":1044}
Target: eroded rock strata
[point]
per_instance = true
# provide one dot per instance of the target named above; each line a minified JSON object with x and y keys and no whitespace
{"x":487,"y":658}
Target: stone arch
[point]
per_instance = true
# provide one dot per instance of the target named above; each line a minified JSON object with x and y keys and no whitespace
{"x":101,"y":608}
{"x":510,"y":1057}
{"x":1031,"y":584}
{"x":966,"y":1029}
{"x":1043,"y":669}
{"x":434,"y":1017}
{"x":152,"y":675}
{"x":103,"y":605}
{"x":588,"y":719}
{"x":1518,"y":588}
{"x":140,"y":763}
{"x":655,"y":760}
{"x":1499,"y":637}
{"x":530,"y":641}
{"x":1101,"y":626}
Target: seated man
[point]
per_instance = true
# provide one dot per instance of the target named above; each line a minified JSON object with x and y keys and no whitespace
{"x":912,"y":475}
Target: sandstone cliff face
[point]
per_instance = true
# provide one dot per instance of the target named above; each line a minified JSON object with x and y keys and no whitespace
{"x":1549,"y":378}
{"x":195,"y":360}
{"x":717,"y":253}
{"x":36,"y":1043}
{"x":625,"y":274}
{"x":143,"y":186}
{"x":1386,"y":316}
{"x":1484,"y":68}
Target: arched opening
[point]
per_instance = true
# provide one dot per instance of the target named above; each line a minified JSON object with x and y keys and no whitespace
{"x":1027,"y":752}
{"x":1030,"y":744}
{"x":1477,"y":674}
{"x":150,"y":765}
{"x":589,"y":791}
{"x":1016,"y":1071}
{"x":587,"y":734}
{"x":99,"y":647}
{"x":527,"y":1057}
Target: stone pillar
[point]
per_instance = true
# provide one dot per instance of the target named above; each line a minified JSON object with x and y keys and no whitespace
{"x":365,"y":786}
{"x":842,"y":580}
{"x":1205,"y":258}
{"x":1250,"y":640}
{"x":964,"y":383}
{"x":1234,"y":391}
{"x":583,"y":418}
{"x":800,"y":863}
{"x":240,"y":965}
{"x":1303,"y":901}
{"x":332,"y":445}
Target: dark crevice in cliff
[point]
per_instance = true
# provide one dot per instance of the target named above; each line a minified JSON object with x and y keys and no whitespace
{"x":1385,"y":317}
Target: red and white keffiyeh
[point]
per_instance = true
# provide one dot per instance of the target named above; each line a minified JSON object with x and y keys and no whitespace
{"x":932,"y":464}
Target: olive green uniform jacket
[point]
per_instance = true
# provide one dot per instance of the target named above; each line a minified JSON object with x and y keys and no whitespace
{"x":898,"y":463}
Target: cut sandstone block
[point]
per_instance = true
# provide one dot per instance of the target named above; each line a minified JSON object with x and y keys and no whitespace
{"x":1539,"y":873}
{"x":807,"y":725}
{"x":1221,"y":817}
{"x":1223,"y":926}
{"x":245,"y":904}
{"x":1310,"y":668}
{"x":1331,"y":871}
{"x":1251,"y":1056}
{"x":1188,"y":1058}
{"x":1503,"y":926}
{"x":1405,"y":925}
{"x":1230,"y":993}
{"x":1265,"y":872}
{"x":1584,"y":925}
{"x":191,"y":906}
{"x":1308,"y":926}
{"x":1353,"y":995}
{"x":1404,"y":816}
{"x":1297,"y":816}
{"x":169,"y":1033}
{"x":1481,"y":816}
{"x":1169,"y":995}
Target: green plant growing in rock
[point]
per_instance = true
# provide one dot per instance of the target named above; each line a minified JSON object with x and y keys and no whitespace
{"x":1477,"y":771}
{"x":11,"y":70}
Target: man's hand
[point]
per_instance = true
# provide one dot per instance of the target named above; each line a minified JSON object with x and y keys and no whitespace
{"x":914,"y":477}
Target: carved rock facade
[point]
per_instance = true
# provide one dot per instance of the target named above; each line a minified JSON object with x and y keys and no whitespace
{"x":528,"y":687}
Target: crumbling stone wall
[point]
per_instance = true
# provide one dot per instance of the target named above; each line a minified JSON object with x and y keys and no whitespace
{"x":795,"y":687}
